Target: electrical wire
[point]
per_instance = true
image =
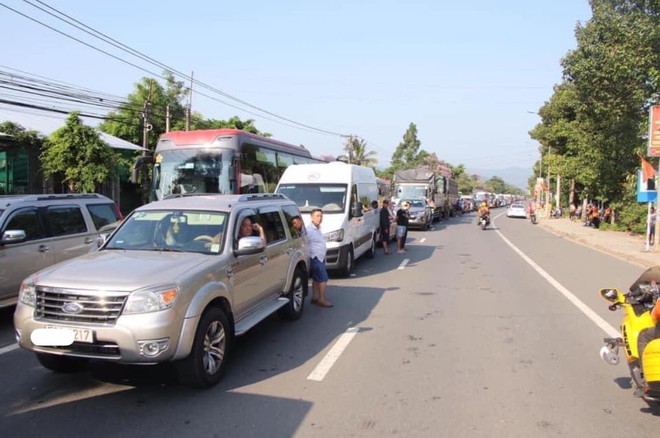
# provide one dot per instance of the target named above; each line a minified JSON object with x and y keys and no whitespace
{"x":108,"y":40}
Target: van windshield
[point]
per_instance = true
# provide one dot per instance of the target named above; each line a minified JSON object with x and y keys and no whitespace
{"x":331,"y":198}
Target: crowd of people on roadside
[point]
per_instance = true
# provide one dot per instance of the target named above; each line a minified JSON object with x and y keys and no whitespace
{"x":402,"y":218}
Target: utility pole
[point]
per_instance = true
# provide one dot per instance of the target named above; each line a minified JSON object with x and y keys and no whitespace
{"x":146,"y":126}
{"x":189,"y":109}
{"x":167,"y":118}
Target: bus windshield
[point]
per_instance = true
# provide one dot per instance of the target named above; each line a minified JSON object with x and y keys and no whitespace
{"x":192,"y":171}
{"x":331,"y":198}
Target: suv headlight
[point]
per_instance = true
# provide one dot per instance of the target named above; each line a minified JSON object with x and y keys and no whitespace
{"x":152,"y":299}
{"x":334,"y":236}
{"x":27,"y":293}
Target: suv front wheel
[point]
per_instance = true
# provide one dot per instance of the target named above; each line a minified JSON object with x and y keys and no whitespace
{"x":204,"y":367}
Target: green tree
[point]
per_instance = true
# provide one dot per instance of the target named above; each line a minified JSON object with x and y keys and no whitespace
{"x":615,"y":73}
{"x":152,"y":98}
{"x":597,"y":119}
{"x":407,"y":153}
{"x":197,"y":121}
{"x":496,"y":185}
{"x":466,"y":184}
{"x":21,"y":135}
{"x":77,"y":154}
{"x":356,"y":150}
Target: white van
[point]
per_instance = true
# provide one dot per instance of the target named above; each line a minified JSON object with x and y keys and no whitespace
{"x":347,"y":194}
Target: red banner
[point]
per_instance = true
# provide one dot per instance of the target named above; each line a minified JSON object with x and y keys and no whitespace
{"x":654,"y":132}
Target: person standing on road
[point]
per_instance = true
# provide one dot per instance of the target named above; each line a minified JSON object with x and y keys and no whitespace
{"x":652,"y":219}
{"x":317,"y":251}
{"x":402,"y":226}
{"x":595,"y":216}
{"x":385,"y":226}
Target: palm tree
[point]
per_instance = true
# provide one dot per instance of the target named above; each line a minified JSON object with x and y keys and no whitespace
{"x":357,"y":153}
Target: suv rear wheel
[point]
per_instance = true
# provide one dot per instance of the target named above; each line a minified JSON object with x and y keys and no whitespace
{"x":294,"y":308}
{"x":62,"y":364}
{"x":204,"y":367}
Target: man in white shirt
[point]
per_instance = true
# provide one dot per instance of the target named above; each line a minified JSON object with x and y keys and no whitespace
{"x":317,"y":250}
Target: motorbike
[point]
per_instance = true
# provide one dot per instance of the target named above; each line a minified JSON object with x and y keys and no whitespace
{"x":637,"y":305}
{"x":532,"y":217}
{"x":484,"y":221}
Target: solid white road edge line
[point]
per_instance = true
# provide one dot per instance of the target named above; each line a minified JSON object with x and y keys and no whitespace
{"x":600,"y":322}
{"x":403,"y":263}
{"x":8,"y":348}
{"x":422,"y":240}
{"x":331,"y":357}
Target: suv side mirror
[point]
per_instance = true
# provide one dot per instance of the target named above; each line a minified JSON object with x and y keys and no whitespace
{"x":101,"y":239}
{"x":13,"y":236}
{"x":249,"y":245}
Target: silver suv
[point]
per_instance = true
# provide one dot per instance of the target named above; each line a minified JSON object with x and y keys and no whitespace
{"x":175,"y":282}
{"x":37,"y":231}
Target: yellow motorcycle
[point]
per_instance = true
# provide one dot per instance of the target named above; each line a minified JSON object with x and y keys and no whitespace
{"x":637,"y":305}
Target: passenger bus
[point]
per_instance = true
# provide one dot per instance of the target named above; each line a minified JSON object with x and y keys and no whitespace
{"x":228,"y":161}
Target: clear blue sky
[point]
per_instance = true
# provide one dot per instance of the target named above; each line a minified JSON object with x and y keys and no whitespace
{"x":468,"y":74}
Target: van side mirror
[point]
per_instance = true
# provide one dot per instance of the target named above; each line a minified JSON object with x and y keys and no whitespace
{"x":356,"y":210}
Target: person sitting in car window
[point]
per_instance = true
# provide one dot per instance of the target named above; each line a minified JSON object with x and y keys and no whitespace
{"x":248,"y":228}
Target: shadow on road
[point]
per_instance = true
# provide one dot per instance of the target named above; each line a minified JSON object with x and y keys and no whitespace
{"x":113,"y":399}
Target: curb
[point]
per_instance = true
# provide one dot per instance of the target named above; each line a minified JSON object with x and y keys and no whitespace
{"x":626,"y":256}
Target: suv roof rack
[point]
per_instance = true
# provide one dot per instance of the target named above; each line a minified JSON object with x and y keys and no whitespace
{"x":261,"y":197}
{"x":187,"y":195}
{"x":52,"y":196}
{"x":66,"y":196}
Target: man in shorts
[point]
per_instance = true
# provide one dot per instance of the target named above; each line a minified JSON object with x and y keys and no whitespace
{"x":317,"y":251}
{"x":402,"y":226}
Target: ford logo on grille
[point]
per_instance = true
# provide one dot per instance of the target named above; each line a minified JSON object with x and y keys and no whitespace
{"x":72,"y":307}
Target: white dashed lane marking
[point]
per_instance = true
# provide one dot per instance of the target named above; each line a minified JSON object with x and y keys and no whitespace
{"x":8,"y":348}
{"x":331,"y":357}
{"x":403,"y":263}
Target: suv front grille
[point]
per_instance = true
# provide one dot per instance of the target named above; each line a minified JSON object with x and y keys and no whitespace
{"x":79,"y":306}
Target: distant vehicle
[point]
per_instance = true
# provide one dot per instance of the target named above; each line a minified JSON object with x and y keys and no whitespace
{"x":345,"y":193}
{"x":421,"y":183}
{"x":225,"y":161}
{"x":177,"y":281}
{"x":37,"y":231}
{"x":421,"y":215}
{"x":517,"y":210}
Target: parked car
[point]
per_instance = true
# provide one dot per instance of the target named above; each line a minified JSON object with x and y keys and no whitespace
{"x":37,"y":231}
{"x":175,"y":282}
{"x":516,"y":210}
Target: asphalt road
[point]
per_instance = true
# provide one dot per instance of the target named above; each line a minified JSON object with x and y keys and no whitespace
{"x":462,"y":336}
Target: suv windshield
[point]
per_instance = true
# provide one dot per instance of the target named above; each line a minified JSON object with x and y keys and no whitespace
{"x":171,"y":230}
{"x":331,"y":198}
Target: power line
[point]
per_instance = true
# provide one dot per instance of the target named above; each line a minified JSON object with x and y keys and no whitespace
{"x":108,"y":40}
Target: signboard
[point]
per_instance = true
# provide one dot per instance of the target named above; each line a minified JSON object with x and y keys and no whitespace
{"x":643,"y":194}
{"x":654,"y":132}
